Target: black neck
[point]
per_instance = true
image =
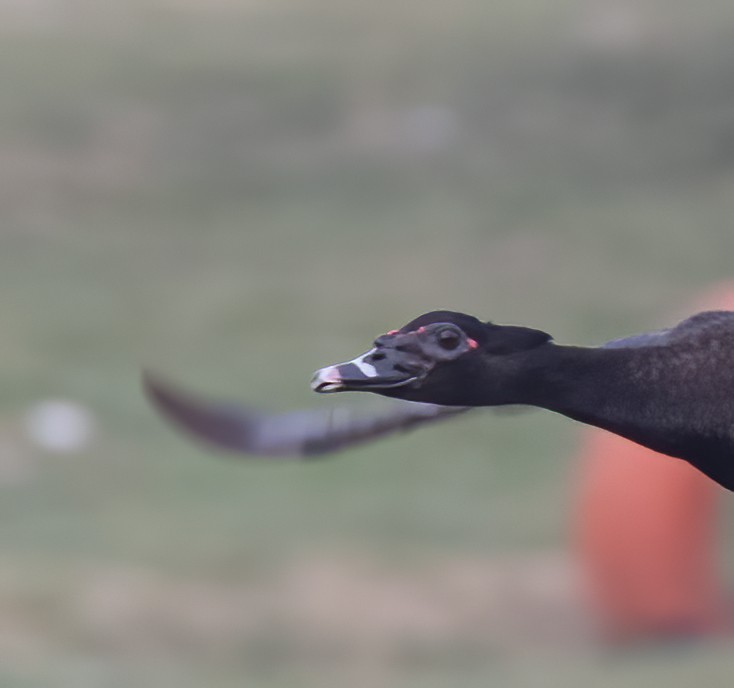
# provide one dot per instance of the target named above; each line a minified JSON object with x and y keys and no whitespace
{"x":571,"y":379}
{"x":647,"y":395}
{"x":596,"y":386}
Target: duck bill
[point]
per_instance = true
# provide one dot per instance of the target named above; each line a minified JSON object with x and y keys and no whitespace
{"x":360,"y":375}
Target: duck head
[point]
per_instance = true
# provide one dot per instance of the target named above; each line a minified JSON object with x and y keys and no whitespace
{"x":441,"y":357}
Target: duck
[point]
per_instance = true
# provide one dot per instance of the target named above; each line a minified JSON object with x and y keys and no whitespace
{"x":669,"y":390}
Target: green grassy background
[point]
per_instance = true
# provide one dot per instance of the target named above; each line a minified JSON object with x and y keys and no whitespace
{"x":239,"y":193}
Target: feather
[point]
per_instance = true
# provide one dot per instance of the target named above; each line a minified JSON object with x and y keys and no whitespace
{"x":306,"y":433}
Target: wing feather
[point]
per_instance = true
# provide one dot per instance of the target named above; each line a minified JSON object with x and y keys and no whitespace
{"x":307,"y":433}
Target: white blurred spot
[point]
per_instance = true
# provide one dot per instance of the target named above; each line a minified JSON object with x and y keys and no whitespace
{"x":429,"y":128}
{"x":59,"y":426}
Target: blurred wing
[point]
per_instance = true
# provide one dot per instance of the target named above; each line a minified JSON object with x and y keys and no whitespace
{"x":239,"y":429}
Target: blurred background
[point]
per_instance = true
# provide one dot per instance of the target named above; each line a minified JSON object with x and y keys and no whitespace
{"x":237,"y":193}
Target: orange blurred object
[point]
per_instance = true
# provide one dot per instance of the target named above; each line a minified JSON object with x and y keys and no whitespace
{"x":646,"y":534}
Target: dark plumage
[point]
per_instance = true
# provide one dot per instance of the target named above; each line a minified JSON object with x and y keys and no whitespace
{"x":672,"y":391}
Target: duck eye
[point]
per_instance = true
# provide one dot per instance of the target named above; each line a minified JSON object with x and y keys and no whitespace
{"x":448,"y":339}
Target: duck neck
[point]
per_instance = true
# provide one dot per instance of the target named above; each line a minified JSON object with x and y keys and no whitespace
{"x":635,"y":393}
{"x":591,"y":385}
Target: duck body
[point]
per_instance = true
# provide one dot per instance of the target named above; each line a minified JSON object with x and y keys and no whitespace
{"x":672,"y":391}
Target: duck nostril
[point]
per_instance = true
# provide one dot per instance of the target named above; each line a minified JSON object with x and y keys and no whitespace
{"x":377,"y":356}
